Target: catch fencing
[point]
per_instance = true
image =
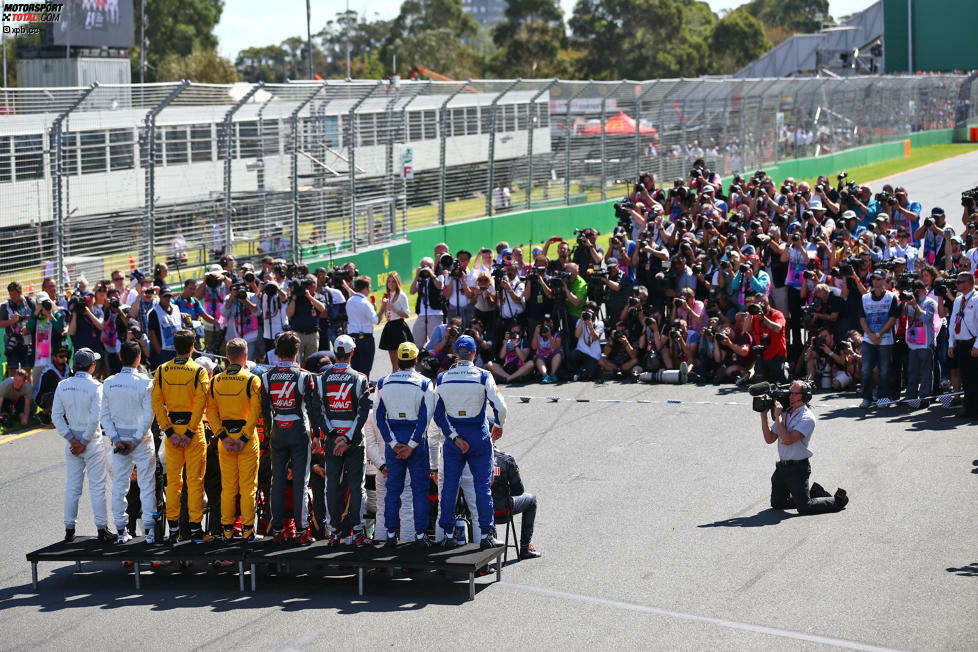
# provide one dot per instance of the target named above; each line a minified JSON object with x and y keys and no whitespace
{"x":116,"y":176}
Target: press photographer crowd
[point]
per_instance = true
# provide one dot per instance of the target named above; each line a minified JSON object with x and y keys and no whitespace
{"x":828,"y":287}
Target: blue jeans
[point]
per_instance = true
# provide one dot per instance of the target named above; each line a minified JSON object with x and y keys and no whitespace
{"x":876,"y":356}
{"x":920,"y":373}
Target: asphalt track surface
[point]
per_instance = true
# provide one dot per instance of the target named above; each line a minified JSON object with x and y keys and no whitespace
{"x":654,"y":524}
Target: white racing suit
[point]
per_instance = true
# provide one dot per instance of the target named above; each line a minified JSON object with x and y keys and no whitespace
{"x":376,"y":458}
{"x":127,"y":414}
{"x":75,"y":414}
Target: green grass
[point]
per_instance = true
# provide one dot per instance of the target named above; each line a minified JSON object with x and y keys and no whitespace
{"x":918,"y":157}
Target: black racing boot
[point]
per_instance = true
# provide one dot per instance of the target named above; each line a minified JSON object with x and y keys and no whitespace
{"x":490,"y":541}
{"x":105,"y":535}
{"x":423,"y":541}
{"x":197,"y":534}
{"x":174,"y":527}
{"x":818,"y":492}
{"x":69,"y":534}
{"x":392,"y":537}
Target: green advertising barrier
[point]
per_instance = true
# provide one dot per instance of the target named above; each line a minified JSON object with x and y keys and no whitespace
{"x":519,"y":228}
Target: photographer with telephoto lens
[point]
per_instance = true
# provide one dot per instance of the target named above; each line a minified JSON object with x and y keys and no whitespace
{"x":793,"y":426}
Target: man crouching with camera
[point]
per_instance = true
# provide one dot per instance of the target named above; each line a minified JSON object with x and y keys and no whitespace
{"x":793,"y":429}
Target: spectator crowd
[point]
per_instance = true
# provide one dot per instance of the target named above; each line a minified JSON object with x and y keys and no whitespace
{"x":829,"y":282}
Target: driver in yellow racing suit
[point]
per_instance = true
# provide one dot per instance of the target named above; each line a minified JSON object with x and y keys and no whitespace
{"x":233,"y":408}
{"x":179,"y":397}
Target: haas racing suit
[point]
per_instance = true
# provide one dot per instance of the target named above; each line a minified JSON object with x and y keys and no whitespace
{"x":127,"y":414}
{"x":75,"y":414}
{"x":463,"y":393}
{"x":346,"y":402}
{"x":405,"y":402}
{"x":288,"y":396}
{"x":179,"y":398}
{"x":233,"y":408}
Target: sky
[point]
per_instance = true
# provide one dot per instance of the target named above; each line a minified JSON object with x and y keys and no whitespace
{"x":247,"y":23}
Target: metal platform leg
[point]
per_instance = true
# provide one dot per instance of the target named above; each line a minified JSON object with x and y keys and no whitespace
{"x":135,"y":574}
{"x":472,"y":585}
{"x":360,"y":581}
{"x":499,"y":570}
{"x":34,"y":575}
{"x":241,"y":576}
{"x":253,"y":573}
{"x":77,"y":566}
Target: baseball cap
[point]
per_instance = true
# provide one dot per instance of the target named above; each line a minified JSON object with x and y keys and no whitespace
{"x":85,"y":358}
{"x":215,"y":269}
{"x":612,"y":262}
{"x":937,"y":211}
{"x":166,"y":292}
{"x":707,"y":190}
{"x":957,"y":239}
{"x":344,"y":344}
{"x":815,"y":204}
{"x":899,"y":190}
{"x":42,"y":296}
{"x":407,"y":351}
{"x":465,"y":345}
{"x":747,"y":250}
{"x":880,"y":274}
{"x":506,"y":252}
{"x":320,"y":270}
{"x":848,"y":215}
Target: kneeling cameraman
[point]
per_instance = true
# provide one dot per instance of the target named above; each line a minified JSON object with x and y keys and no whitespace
{"x":793,"y":430}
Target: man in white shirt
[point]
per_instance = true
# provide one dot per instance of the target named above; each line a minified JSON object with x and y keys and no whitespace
{"x":429,"y":286}
{"x":458,"y":288}
{"x":588,"y":333}
{"x":501,"y":198}
{"x":793,"y":429}
{"x":510,"y":298}
{"x":361,"y":319}
{"x":962,"y":343}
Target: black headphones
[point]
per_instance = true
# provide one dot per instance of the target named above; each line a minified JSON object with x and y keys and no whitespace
{"x":807,"y":390}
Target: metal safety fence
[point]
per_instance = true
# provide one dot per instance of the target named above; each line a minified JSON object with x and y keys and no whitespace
{"x":115,"y":176}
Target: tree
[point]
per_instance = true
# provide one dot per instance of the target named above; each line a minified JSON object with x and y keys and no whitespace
{"x":636,"y":39}
{"x":737,"y":39}
{"x":202,"y":66}
{"x":432,"y":34}
{"x":175,"y":27}
{"x":267,"y":64}
{"x":530,"y":39}
{"x":365,"y":38}
{"x":781,"y":18}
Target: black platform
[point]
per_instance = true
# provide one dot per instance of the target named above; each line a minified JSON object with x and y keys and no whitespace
{"x":467,"y":559}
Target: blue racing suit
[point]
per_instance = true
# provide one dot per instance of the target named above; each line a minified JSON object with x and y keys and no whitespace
{"x":463,"y":393}
{"x":405,"y":401}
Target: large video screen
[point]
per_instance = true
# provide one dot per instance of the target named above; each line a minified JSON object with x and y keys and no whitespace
{"x":95,"y":23}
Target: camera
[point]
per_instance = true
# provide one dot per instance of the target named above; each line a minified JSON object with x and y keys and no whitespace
{"x":114,"y":303}
{"x":767,"y":394}
{"x":270,"y":289}
{"x":649,"y":321}
{"x":754,"y":309}
{"x":424,"y":272}
{"x":48,"y":305}
{"x":676,"y":334}
{"x":722,"y":337}
{"x":796,"y":237}
{"x":709,"y":331}
{"x":212,"y":281}
{"x":454,"y":331}
{"x":587,"y":315}
{"x":969,"y":198}
{"x":249,"y":277}
{"x":744,"y":268}
{"x":632,"y":302}
{"x":544,"y":328}
{"x":906,"y":296}
{"x":241,"y":293}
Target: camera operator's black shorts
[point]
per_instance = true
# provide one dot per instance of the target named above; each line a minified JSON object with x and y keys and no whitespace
{"x":511,"y":366}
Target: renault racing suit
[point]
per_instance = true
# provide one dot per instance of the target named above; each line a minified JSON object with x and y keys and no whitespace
{"x":75,"y":414}
{"x":346,"y":403}
{"x":405,"y":402}
{"x":288,"y":395}
{"x":127,"y":414}
{"x":179,"y":398}
{"x":233,"y":409}
{"x":463,"y":393}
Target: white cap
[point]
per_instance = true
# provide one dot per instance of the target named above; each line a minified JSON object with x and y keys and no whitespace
{"x":215,"y":269}
{"x":344,"y":344}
